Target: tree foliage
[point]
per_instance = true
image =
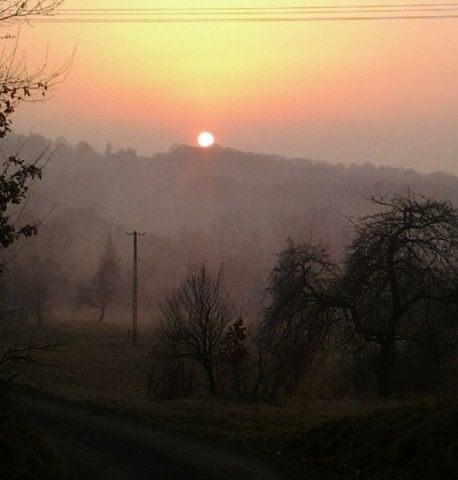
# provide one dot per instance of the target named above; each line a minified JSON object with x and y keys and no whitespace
{"x":15,"y":179}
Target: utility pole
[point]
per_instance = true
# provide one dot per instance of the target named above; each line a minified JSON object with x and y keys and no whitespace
{"x":135,"y":289}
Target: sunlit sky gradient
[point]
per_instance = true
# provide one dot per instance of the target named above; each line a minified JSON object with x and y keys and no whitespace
{"x":384,"y":92}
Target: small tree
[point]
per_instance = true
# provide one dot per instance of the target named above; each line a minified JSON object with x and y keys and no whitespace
{"x":233,"y":357}
{"x":103,"y":285}
{"x":194,"y":318}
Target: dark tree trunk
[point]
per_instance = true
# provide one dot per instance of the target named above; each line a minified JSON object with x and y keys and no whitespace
{"x":211,"y":379}
{"x":385,"y":369}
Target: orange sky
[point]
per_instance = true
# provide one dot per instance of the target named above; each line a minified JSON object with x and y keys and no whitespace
{"x":377,"y":91}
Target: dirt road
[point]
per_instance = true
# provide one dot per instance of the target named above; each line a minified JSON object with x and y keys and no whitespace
{"x":100,"y":445}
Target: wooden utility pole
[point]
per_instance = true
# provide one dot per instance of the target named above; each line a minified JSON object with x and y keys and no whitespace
{"x":135,"y":289}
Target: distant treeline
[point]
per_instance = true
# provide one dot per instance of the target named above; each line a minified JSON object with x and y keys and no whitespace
{"x":219,"y":206}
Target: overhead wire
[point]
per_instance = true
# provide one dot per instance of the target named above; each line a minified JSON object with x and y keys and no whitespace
{"x":405,"y":11}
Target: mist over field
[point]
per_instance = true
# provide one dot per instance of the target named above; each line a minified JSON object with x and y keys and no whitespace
{"x":217,"y":206}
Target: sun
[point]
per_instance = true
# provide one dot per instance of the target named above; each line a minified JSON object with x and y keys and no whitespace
{"x":205,"y":139}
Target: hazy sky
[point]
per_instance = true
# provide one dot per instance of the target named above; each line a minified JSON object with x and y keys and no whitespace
{"x":379,"y":91}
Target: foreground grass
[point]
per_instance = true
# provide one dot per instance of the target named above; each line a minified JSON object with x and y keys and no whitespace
{"x":349,"y":439}
{"x":412,"y":442}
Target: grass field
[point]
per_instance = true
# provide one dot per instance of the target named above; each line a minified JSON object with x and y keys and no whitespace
{"x":98,"y":364}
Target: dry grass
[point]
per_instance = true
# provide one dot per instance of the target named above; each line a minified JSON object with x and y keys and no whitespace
{"x":98,"y":364}
{"x":95,"y":362}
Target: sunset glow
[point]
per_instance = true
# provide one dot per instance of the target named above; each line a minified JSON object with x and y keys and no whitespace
{"x":329,"y":90}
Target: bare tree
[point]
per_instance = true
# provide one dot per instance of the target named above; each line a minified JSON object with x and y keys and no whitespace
{"x":17,"y":85}
{"x":21,"y":353}
{"x":297,"y":319}
{"x":194,"y":318}
{"x":14,"y":11}
{"x":400,"y":266}
{"x":100,"y":291}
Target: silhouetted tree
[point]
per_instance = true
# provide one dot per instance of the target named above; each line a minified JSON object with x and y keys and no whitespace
{"x":15,"y":179}
{"x":21,"y":353}
{"x":103,"y":285}
{"x":18,"y":85}
{"x":194,"y":318}
{"x":401,"y":265}
{"x":297,"y":320}
{"x":16,"y":175}
{"x":232,"y":358}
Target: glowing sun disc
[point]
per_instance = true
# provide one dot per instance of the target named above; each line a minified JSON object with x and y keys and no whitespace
{"x":205,"y":139}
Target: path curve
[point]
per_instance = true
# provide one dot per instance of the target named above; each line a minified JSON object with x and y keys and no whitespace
{"x":100,"y":445}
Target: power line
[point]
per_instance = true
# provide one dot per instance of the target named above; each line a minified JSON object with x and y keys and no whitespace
{"x":414,"y":11}
{"x":416,"y":6}
{"x":253,"y":20}
{"x":261,"y":10}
